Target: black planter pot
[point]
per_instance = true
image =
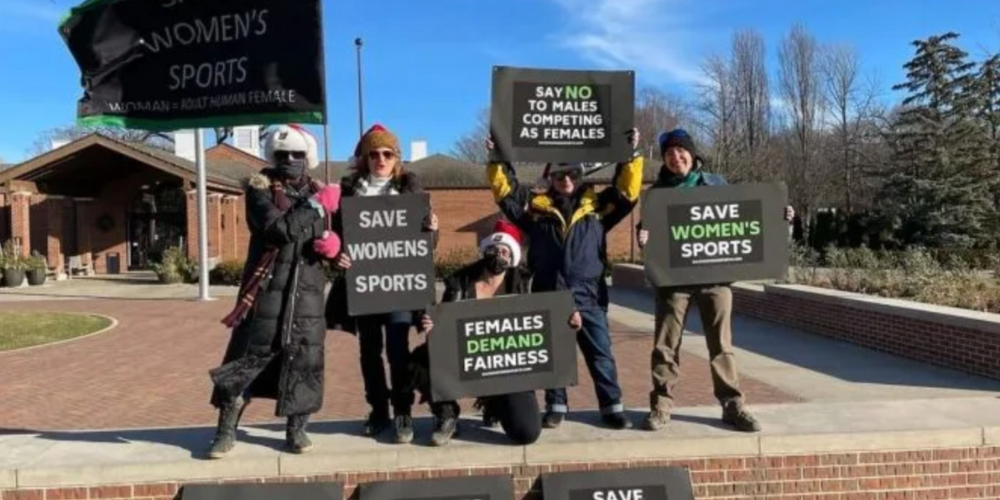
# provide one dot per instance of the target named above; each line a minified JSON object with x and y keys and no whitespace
{"x":36,"y":277}
{"x":13,"y":277}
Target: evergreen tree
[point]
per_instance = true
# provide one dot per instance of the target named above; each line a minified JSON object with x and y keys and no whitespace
{"x":938,"y":187}
{"x":988,"y":86}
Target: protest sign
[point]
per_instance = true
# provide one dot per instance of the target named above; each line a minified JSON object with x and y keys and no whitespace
{"x":653,"y":483}
{"x":715,"y":234}
{"x":498,"y":487}
{"x":248,"y":491}
{"x":392,"y":256}
{"x":175,"y":64}
{"x":544,"y":115}
{"x":502,"y":345}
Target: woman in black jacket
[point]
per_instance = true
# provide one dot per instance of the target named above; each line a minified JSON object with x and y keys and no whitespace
{"x":276,"y":348}
{"x":496,"y":273}
{"x":379,"y":172}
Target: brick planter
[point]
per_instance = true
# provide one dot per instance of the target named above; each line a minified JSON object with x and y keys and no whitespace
{"x":960,"y":339}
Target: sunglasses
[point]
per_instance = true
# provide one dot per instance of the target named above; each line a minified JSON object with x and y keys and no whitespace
{"x":374,"y":155}
{"x":573,"y":175}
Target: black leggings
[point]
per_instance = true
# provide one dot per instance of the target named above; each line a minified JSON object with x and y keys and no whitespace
{"x":517,"y":412}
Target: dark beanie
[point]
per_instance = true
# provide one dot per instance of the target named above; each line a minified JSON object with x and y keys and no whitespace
{"x":677,"y":137}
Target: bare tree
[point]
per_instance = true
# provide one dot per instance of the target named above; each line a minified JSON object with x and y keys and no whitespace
{"x":472,"y":146}
{"x":717,"y":115}
{"x":798,"y":77}
{"x":655,"y":113}
{"x":751,"y":90}
{"x":73,"y":132}
{"x":851,"y":106}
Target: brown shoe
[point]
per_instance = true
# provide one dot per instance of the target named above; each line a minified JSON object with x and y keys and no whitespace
{"x":737,"y":416}
{"x":656,"y":420}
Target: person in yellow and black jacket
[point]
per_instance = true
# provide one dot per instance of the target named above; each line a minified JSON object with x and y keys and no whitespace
{"x":567,"y":227}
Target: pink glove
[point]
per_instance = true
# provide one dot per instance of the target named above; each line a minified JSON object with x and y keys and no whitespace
{"x":329,"y":197}
{"x":328,"y":246}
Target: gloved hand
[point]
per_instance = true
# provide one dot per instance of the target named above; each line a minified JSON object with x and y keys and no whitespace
{"x":328,"y":246}
{"x":329,"y":197}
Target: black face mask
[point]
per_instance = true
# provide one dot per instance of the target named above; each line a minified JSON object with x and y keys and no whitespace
{"x":290,"y":165}
{"x":495,"y":264}
{"x":291,"y":169}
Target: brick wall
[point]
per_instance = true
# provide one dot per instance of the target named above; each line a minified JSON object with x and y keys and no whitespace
{"x":873,"y":475}
{"x":465,"y":216}
{"x":943,"y":336}
{"x":936,"y":338}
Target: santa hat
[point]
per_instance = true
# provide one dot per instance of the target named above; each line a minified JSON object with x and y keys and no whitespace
{"x":292,"y":137}
{"x":504,"y":233}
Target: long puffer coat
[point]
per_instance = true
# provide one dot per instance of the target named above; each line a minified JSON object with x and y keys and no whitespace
{"x":277,"y":351}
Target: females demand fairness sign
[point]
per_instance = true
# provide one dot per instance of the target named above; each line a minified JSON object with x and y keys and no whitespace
{"x":502,"y":345}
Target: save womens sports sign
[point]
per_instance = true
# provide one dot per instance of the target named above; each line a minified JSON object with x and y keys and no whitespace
{"x":174,"y":64}
{"x":715,"y":234}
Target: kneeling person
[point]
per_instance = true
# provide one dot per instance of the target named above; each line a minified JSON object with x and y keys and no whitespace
{"x":495,"y":274}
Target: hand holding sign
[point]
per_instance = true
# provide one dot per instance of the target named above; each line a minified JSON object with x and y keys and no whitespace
{"x":426,"y":324}
{"x":431,"y":222}
{"x":343,"y":261}
{"x":575,"y":321}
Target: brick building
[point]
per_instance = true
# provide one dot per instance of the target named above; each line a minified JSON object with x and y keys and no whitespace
{"x":115,"y":205}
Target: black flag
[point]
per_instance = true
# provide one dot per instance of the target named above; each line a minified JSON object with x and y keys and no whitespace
{"x":175,"y":64}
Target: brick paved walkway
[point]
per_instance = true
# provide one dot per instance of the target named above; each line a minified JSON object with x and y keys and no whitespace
{"x":151,"y":371}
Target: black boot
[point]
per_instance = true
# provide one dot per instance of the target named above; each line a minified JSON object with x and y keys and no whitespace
{"x":225,"y":431}
{"x":295,"y":434}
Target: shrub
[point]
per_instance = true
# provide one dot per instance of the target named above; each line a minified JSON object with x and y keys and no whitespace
{"x":455,"y":259}
{"x":176,"y":267}
{"x":916,"y":274}
{"x":228,"y":273}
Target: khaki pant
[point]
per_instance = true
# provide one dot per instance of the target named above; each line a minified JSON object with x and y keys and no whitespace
{"x":715,"y":304}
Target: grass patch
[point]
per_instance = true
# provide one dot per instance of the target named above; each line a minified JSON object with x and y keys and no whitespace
{"x":27,"y":329}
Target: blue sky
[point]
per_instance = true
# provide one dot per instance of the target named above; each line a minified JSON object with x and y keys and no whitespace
{"x":427,"y":62}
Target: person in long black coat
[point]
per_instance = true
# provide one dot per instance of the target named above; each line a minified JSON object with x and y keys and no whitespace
{"x":276,"y":349}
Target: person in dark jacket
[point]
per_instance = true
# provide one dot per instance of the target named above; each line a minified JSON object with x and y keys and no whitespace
{"x":497,"y":273}
{"x":682,"y":168}
{"x":379,"y":172}
{"x":567,"y":227}
{"x":276,"y":349}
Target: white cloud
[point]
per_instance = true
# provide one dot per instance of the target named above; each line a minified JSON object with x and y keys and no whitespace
{"x":653,"y":37}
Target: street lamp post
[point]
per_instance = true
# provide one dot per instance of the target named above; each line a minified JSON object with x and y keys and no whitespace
{"x":361,"y":110}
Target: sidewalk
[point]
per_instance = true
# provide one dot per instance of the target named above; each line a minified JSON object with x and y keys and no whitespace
{"x":109,"y":457}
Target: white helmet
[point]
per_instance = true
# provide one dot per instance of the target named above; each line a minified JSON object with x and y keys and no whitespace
{"x":292,"y":138}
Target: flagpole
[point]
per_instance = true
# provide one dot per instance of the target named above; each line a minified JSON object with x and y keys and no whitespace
{"x":202,"y":194}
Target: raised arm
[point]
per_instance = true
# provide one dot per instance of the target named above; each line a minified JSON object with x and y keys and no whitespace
{"x":620,"y":198}
{"x":508,"y":193}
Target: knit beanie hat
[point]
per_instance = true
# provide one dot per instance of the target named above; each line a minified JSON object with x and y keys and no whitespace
{"x":504,"y":233}
{"x":677,"y":137}
{"x":376,"y":137}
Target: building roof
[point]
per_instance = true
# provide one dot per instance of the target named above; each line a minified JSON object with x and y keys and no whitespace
{"x":228,"y":167}
{"x":221,"y":171}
